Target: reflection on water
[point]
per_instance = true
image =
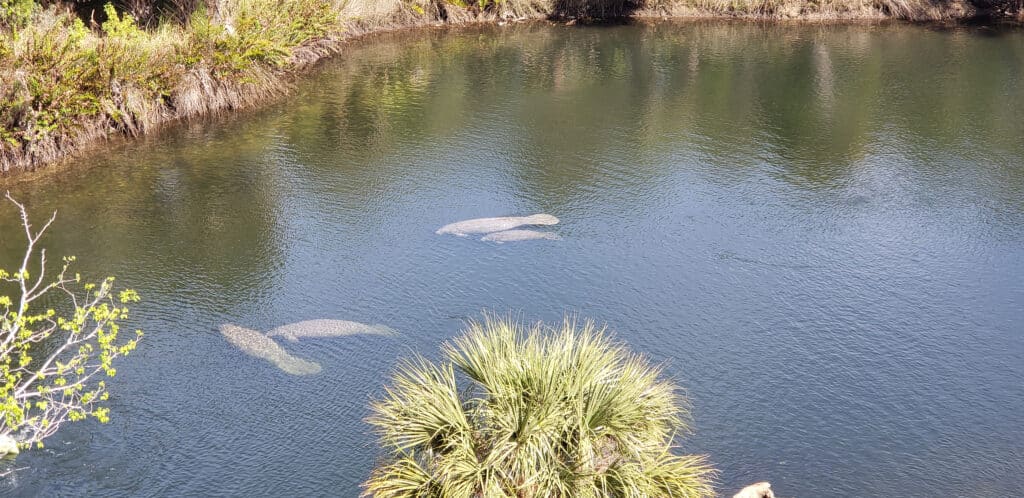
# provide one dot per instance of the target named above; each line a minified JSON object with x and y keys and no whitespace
{"x":819,"y":230}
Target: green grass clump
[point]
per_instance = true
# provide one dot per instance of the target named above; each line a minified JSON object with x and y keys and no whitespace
{"x":62,"y":83}
{"x":533,"y":412}
{"x":254,"y":32}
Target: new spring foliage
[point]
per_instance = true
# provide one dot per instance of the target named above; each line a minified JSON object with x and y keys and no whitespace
{"x":54,"y":360}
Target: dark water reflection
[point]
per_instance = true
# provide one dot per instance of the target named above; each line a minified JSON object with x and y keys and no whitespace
{"x":820,"y":231}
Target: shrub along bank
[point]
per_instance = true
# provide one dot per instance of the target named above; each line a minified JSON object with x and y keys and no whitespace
{"x":65,"y":81}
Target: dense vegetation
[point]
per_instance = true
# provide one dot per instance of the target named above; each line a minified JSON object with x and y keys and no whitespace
{"x":63,"y":82}
{"x":516,"y":411}
{"x":71,"y":73}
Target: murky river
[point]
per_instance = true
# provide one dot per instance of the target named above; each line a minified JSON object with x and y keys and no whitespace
{"x":819,"y":230}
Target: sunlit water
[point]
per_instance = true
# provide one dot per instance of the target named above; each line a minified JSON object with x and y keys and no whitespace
{"x":818,"y":230}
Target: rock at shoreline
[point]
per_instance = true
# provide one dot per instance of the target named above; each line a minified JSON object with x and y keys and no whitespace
{"x":756,"y":490}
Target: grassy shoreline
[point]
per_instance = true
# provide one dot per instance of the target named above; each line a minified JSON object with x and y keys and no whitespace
{"x":65,"y":85}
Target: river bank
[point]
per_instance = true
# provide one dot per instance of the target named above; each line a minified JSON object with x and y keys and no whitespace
{"x":65,"y":85}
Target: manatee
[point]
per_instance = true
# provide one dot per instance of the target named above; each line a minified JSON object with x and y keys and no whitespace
{"x":8,"y":447}
{"x":517,"y":235}
{"x":488,"y":225}
{"x":327,"y":328}
{"x":256,"y":344}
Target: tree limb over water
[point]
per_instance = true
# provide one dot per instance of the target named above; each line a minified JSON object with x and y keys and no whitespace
{"x":53,"y":361}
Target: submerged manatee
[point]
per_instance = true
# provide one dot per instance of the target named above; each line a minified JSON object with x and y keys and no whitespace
{"x":488,"y":225}
{"x":327,"y":328}
{"x":8,"y":447}
{"x":256,"y":344}
{"x":517,"y":235}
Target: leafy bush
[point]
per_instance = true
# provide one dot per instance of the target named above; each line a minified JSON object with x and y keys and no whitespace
{"x":16,"y":13}
{"x":51,"y":79}
{"x":257,"y":32}
{"x":60,"y":80}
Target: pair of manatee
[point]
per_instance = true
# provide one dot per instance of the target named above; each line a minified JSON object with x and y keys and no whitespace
{"x":254,"y":343}
{"x":263,"y":346}
{"x":504,"y":229}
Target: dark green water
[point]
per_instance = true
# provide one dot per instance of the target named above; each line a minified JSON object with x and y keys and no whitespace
{"x":819,"y":231}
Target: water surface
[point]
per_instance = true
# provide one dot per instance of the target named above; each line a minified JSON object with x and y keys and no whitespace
{"x":818,"y":230}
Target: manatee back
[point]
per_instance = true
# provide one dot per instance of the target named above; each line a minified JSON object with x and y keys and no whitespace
{"x":307,"y":328}
{"x":258,"y":345}
{"x":542,"y":219}
{"x":327,"y":328}
{"x":248,"y":340}
{"x":476,"y":225}
{"x":488,"y":225}
{"x":519,"y":235}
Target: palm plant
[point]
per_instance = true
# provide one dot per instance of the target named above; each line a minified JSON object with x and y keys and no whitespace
{"x":546,"y":412}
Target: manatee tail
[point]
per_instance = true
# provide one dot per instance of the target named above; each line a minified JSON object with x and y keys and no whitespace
{"x":384,"y":330}
{"x":297,"y":366}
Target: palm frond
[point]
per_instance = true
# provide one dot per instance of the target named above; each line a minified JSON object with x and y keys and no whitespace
{"x":542,"y":412}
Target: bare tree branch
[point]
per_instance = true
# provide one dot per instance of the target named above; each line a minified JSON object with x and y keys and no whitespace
{"x":51,"y":365}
